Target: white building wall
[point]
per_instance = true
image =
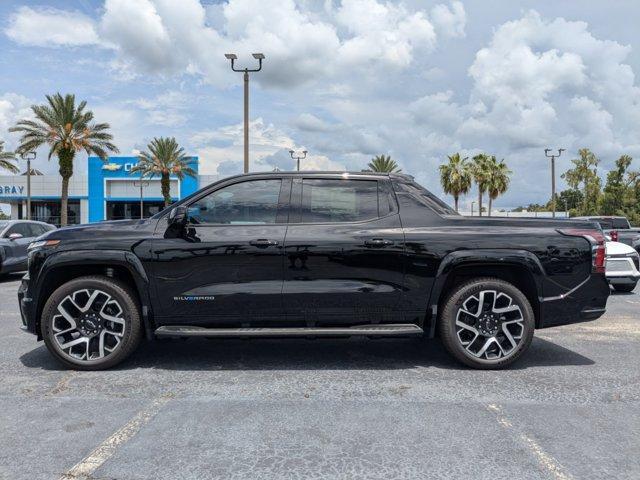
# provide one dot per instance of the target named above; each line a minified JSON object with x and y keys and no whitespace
{"x":43,"y":185}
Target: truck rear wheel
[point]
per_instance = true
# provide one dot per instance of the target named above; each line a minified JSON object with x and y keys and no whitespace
{"x":91,"y":323}
{"x":486,"y":323}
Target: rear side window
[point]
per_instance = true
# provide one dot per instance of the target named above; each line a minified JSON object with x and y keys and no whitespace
{"x":337,"y":200}
{"x":621,"y":223}
{"x":418,"y":194}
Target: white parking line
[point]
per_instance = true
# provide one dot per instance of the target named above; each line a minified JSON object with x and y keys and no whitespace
{"x":106,"y":449}
{"x":545,"y":460}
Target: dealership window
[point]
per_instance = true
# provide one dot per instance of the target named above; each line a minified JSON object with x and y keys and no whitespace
{"x":120,"y":210}
{"x":49,"y":211}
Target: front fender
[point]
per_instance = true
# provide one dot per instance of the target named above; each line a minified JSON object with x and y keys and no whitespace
{"x":106,"y":258}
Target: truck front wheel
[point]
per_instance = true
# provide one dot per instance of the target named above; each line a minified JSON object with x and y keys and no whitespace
{"x":91,"y":323}
{"x":486,"y":323}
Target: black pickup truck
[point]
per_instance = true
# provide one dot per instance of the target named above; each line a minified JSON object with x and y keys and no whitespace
{"x":311,"y":255}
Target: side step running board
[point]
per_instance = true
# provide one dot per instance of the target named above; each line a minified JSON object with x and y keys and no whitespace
{"x":370,"y":330}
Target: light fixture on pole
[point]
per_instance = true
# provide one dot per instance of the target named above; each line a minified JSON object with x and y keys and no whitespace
{"x":233,"y":57}
{"x":297,"y":158}
{"x":553,"y":177}
{"x":28,"y":156}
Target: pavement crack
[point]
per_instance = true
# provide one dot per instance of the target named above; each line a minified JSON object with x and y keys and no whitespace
{"x":62,"y":385}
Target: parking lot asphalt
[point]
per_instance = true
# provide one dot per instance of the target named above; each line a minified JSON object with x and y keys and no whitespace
{"x":346,"y":409}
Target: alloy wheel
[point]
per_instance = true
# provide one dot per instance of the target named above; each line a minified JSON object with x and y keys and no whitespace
{"x":490,"y":325}
{"x":88,"y":324}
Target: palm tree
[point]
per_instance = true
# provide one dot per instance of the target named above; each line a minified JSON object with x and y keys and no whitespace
{"x":6,"y":158}
{"x":480,"y":173}
{"x":165,"y":157}
{"x":380,"y":163}
{"x":498,"y":181}
{"x":66,"y":129}
{"x":456,"y":177}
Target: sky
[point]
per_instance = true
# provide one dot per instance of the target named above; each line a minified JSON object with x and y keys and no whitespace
{"x":343,"y":79}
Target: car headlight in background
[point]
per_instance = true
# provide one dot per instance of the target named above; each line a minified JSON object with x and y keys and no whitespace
{"x":43,"y":243}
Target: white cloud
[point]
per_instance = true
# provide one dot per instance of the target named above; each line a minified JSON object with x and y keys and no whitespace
{"x":536,"y":75}
{"x":50,"y":27}
{"x":13,"y":107}
{"x":169,"y":109}
{"x":137,"y":30}
{"x":302,"y":45}
{"x":221,"y":150}
{"x":450,"y":20}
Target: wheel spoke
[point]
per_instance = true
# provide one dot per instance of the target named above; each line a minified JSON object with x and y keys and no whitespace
{"x":72,"y":343}
{"x":67,"y":316}
{"x":486,"y":345}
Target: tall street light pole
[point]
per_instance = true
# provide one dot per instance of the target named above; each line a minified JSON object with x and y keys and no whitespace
{"x":297,"y":158}
{"x":28,"y":156}
{"x":233,"y":57}
{"x":553,"y":177}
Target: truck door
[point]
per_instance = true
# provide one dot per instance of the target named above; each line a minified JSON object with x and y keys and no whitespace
{"x":343,"y":252}
{"x":227,"y":268}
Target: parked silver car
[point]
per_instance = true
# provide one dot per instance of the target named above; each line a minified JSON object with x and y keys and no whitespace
{"x":15,"y":237}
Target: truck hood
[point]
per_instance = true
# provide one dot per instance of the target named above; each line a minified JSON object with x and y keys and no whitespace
{"x":617,"y":248}
{"x":103,"y":229}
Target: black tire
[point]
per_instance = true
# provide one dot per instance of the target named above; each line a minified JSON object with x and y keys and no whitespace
{"x":132,"y":329}
{"x":627,"y":287}
{"x":448,"y":330}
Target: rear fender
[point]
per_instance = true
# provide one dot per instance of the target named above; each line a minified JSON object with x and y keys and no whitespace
{"x":480,"y":258}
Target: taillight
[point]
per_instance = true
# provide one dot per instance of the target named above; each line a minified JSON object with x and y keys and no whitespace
{"x":596,"y":239}
{"x":614,"y":235}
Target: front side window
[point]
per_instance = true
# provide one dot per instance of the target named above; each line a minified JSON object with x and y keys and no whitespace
{"x":330,"y":201}
{"x":21,"y":228}
{"x":247,"y":203}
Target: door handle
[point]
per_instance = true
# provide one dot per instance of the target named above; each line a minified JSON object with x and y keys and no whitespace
{"x":378,"y":242}
{"x":263,"y":243}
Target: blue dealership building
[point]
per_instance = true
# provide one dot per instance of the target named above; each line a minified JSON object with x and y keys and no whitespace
{"x":103,"y":191}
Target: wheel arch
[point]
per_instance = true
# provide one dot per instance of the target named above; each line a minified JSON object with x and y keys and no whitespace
{"x":519,"y":267}
{"x":65,"y":266}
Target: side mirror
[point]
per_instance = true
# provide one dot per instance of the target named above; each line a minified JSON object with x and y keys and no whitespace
{"x":15,"y":236}
{"x":178,"y":216}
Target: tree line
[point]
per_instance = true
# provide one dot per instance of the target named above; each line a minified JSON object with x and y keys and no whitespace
{"x":586,"y":195}
{"x":66,"y":129}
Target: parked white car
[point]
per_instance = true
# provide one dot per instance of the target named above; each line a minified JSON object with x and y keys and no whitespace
{"x":622,"y":267}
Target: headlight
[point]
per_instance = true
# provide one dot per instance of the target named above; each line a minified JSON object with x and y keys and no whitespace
{"x":43,"y":243}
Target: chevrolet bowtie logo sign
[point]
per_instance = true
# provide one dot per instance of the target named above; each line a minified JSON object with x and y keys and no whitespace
{"x":112,"y":167}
